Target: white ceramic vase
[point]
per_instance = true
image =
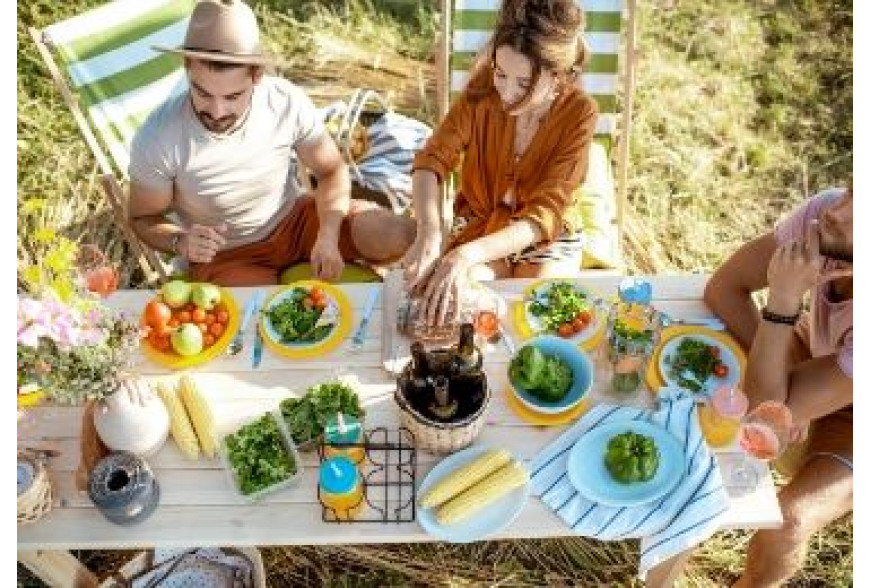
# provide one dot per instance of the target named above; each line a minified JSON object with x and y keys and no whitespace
{"x":132,"y":419}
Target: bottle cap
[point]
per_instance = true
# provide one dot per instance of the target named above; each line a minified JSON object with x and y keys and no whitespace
{"x":338,"y":475}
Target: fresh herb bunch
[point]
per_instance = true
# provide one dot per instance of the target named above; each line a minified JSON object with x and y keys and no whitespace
{"x":258,"y":457}
{"x":693,"y":362}
{"x":306,"y":417}
{"x":294,"y":318}
{"x":631,"y":458}
{"x":560,"y":304}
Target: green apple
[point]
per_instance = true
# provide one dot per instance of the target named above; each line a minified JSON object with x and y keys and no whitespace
{"x":205,"y":296}
{"x":187,"y":340}
{"x":176,"y":293}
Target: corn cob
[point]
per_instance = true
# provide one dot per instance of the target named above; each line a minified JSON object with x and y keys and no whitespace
{"x":200,"y":414}
{"x":182,"y":429}
{"x":482,"y":494}
{"x":465,"y":477}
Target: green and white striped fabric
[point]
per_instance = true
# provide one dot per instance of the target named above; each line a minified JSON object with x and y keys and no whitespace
{"x":474,"y":20}
{"x":118,"y":77}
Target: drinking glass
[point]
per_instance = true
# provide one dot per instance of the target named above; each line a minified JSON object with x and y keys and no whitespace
{"x":97,"y":272}
{"x":764,"y":434}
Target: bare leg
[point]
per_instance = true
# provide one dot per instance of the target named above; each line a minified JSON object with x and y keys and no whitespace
{"x":820,"y":493}
{"x":550,"y":269}
{"x":380,"y":235}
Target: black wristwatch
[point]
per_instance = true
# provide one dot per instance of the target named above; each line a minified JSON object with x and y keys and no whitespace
{"x":781,"y":319}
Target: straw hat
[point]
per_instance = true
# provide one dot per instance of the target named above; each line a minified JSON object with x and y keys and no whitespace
{"x":222,"y":30}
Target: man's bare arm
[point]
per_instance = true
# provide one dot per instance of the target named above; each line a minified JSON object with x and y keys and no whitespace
{"x":729,"y":291}
{"x":332,"y":194}
{"x":147,"y":210}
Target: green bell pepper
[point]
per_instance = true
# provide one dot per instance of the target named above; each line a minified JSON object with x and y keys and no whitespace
{"x":631,"y":458}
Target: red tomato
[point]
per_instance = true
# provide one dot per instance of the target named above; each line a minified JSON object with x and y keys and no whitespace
{"x":184,"y":316}
{"x":578,"y":324}
{"x":209,"y":318}
{"x":566,"y":330}
{"x":157,"y":314}
{"x":216,"y":329}
{"x":208,"y":340}
{"x":222,"y":317}
{"x":189,"y":307}
{"x":317,"y":294}
{"x":220,"y":307}
{"x":721,"y":370}
{"x":198,"y":315}
{"x":585,"y":315}
{"x":203,"y":327}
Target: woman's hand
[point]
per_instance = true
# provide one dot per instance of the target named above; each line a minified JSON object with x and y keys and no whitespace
{"x":444,"y":287}
{"x":420,"y":260}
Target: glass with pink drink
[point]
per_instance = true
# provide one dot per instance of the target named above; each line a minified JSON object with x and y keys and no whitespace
{"x":720,"y":418}
{"x":764,"y":434}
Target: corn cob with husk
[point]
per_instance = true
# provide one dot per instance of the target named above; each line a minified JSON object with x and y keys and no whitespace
{"x":200,"y":414}
{"x":179,"y":422}
{"x":482,"y":494}
{"x":465,"y":477}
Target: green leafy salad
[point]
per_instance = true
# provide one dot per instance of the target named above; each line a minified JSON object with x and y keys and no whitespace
{"x":295,"y":317}
{"x":258,"y":456}
{"x":545,"y":376}
{"x":306,"y":417}
{"x":631,"y":458}
{"x":693,"y":362}
{"x":562,"y":308}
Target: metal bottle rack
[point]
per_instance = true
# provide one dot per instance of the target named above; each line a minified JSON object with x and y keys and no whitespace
{"x":388,"y":472}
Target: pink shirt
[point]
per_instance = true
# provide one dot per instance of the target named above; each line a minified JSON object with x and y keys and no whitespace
{"x":827,"y":329}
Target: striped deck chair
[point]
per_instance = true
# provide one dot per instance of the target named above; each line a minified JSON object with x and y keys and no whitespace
{"x":111,"y":79}
{"x":609,"y":79}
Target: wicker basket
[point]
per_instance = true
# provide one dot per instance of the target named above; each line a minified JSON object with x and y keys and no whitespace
{"x":35,"y":501}
{"x":439,"y":437}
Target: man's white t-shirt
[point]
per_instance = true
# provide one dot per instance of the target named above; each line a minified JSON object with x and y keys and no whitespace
{"x":244,"y":179}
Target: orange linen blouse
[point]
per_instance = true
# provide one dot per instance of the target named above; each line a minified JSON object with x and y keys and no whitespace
{"x":544,"y":178}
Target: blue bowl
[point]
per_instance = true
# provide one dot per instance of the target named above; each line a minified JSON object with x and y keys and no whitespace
{"x":575,"y":358}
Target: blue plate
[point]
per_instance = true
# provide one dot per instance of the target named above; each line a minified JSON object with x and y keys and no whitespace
{"x":726,"y":356}
{"x":580,"y":365}
{"x":491,"y":519}
{"x":589,"y":475}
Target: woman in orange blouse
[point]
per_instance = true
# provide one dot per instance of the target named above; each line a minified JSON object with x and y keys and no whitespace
{"x":522,"y":130}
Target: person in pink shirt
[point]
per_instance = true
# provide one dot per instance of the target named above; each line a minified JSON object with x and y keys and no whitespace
{"x":800,"y":353}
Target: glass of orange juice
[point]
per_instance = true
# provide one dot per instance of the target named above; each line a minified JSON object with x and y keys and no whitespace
{"x":720,"y":417}
{"x":98,"y":273}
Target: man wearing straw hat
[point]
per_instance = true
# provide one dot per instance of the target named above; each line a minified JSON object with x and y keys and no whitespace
{"x":221,"y":156}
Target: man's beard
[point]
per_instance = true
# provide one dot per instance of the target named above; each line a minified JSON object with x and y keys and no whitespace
{"x":836,"y":252}
{"x":220,"y":125}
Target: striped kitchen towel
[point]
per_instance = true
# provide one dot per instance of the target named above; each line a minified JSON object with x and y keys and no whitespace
{"x":678,"y":521}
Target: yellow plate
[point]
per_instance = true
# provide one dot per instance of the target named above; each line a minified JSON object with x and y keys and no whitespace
{"x":301,"y":351}
{"x":177,"y":362}
{"x":28,"y":399}
{"x":586,"y":340}
{"x":534,"y":417}
{"x":655,"y":380}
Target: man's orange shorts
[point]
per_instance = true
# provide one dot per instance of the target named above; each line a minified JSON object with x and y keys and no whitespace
{"x":291,"y":242}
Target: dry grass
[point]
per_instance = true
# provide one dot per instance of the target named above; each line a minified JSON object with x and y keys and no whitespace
{"x":743,"y":109}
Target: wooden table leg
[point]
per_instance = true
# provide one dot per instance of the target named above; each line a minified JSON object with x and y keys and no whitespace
{"x":59,"y":569}
{"x":666,"y":573}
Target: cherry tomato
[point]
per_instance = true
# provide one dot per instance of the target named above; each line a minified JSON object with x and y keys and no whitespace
{"x":209,"y":318}
{"x":220,"y":307}
{"x":216,"y":329}
{"x":203,"y":327}
{"x":222,"y":317}
{"x":578,"y":324}
{"x":198,"y":315}
{"x":174,"y":323}
{"x":184,"y":316}
{"x":317,"y":293}
{"x":715,"y":351}
{"x":565,"y":330}
{"x":585,"y":315}
{"x":320,"y":304}
{"x":721,"y":370}
{"x":157,"y":313}
{"x":208,"y":340}
{"x":164,"y":344}
{"x":189,"y":307}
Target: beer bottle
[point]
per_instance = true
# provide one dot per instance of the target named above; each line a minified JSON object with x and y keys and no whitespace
{"x":467,"y":358}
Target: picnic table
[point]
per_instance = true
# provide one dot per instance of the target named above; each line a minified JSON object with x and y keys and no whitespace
{"x":199,"y":507}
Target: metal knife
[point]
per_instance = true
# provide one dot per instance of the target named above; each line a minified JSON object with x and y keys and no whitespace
{"x":250,"y":308}
{"x":257,"y":354}
{"x":359,"y":335}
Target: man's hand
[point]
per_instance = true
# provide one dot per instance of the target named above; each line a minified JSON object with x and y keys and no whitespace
{"x":326,"y":261}
{"x":795,"y":267}
{"x":200,"y":243}
{"x":419,"y":261}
